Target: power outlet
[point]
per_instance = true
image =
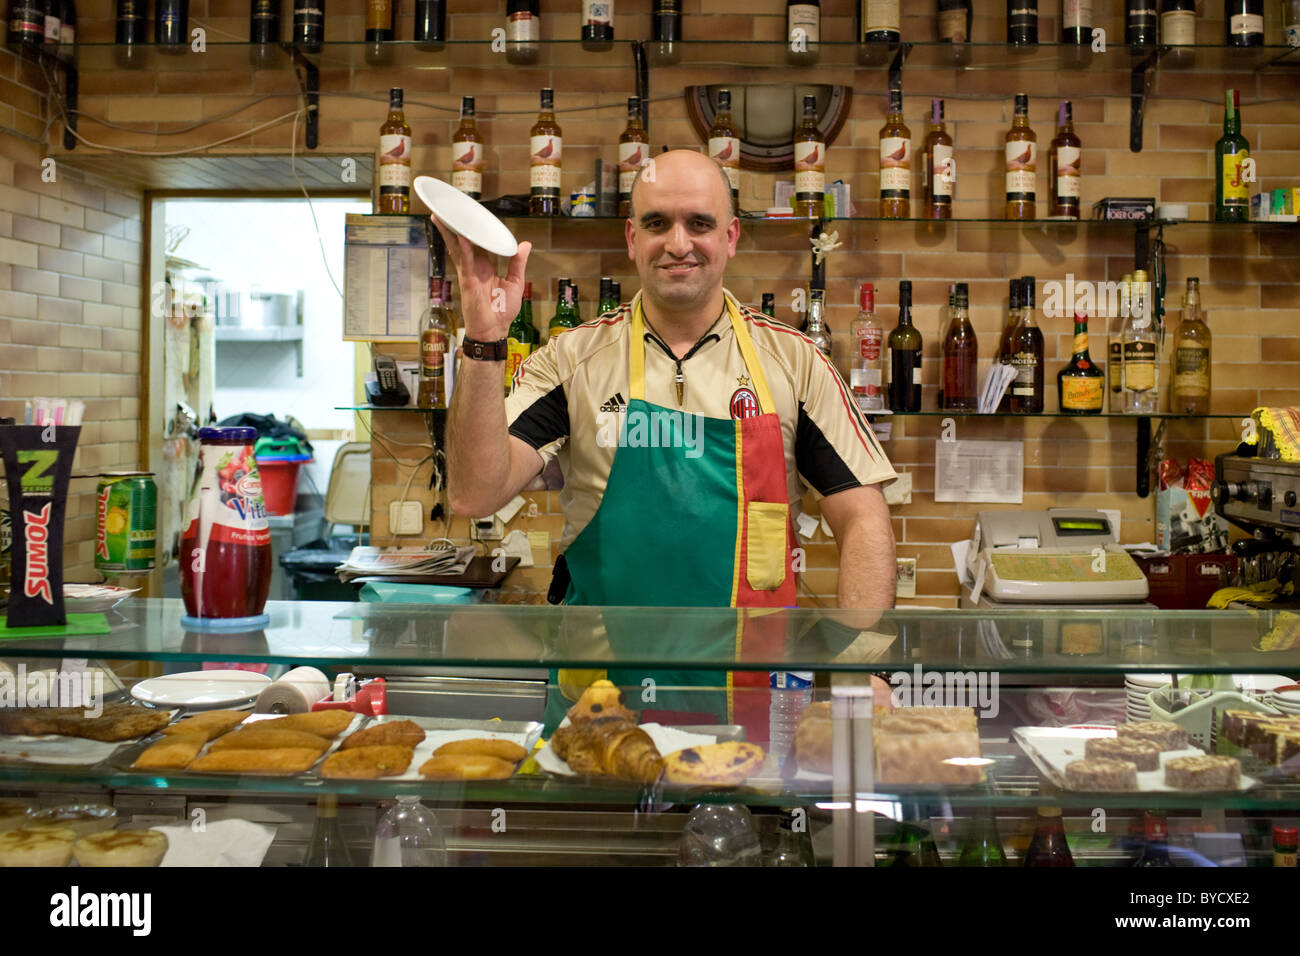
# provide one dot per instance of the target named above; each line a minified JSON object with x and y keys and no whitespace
{"x":405,"y":517}
{"x":486,"y":529}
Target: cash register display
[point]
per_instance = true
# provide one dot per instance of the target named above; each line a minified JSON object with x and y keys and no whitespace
{"x":1078,"y":527}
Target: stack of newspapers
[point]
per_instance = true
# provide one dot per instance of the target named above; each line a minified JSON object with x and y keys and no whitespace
{"x":403,"y":562}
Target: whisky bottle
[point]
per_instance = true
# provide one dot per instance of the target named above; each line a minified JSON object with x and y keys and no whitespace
{"x":467,"y":152}
{"x":1243,"y":22}
{"x":960,"y":357}
{"x":1021,"y":163}
{"x":633,"y":153}
{"x":1015,"y":311}
{"x":1064,"y":164}
{"x":803,"y":21}
{"x":435,"y":334}
{"x":1190,"y":390}
{"x":545,"y":145}
{"x":1076,"y":22}
{"x":1027,"y":357}
{"x":1231,"y":193}
{"x":877,"y":29}
{"x":938,"y":168}
{"x":1139,"y":344}
{"x":809,"y":164}
{"x":1081,"y":385}
{"x":867,"y":337}
{"x":905,"y":357}
{"x":523,"y":31}
{"x":724,"y":146}
{"x":522,"y":338}
{"x":1022,"y":23}
{"x":895,"y":162}
{"x":394,"y":166}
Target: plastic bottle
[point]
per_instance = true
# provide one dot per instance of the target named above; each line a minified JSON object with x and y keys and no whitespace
{"x":408,"y":835}
{"x":791,"y":693}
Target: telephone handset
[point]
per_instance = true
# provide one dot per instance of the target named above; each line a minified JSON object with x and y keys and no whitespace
{"x":388,"y":390}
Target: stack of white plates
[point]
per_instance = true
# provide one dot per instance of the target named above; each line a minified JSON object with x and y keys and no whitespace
{"x":1136,"y":688}
{"x":1287,"y":701}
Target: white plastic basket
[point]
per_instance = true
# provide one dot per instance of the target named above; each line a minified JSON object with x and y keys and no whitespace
{"x":1202,"y":718}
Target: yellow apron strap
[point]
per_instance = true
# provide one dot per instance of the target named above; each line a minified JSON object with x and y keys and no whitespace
{"x":636,"y":353}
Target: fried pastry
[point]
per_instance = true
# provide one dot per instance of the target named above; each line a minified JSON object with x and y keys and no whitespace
{"x":602,"y":699}
{"x":281,"y":760}
{"x":208,"y":725}
{"x":323,"y":723}
{"x":170,"y":753}
{"x":121,"y":848}
{"x":255,"y":738}
{"x":466,"y":767}
{"x":723,"y":765}
{"x":36,"y":848}
{"x":367,"y":763}
{"x":116,"y":722}
{"x":390,"y":733}
{"x":487,"y":747}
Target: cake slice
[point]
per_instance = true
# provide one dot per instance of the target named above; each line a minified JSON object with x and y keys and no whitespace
{"x":1204,"y":772}
{"x":1143,"y":755}
{"x":1164,"y":734}
{"x":1101,"y":773}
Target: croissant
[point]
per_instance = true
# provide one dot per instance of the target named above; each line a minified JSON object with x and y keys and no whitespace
{"x":610,"y":747}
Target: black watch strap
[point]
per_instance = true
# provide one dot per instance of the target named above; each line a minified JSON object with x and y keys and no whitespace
{"x":485,"y":351}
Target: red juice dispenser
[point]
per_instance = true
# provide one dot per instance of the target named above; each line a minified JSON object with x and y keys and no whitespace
{"x":226,"y":546}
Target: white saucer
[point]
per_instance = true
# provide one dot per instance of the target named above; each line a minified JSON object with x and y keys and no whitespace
{"x":201,"y":688}
{"x":466,"y":216}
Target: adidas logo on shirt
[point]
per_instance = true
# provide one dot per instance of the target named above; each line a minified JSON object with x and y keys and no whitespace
{"x":615,"y":403}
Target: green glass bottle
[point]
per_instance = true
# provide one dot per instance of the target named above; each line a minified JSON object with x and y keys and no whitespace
{"x":983,"y":846}
{"x":1231,"y":191}
{"x":769,"y":304}
{"x":566,"y":309}
{"x":912,"y":844}
{"x":608,"y":301}
{"x":522,"y":337}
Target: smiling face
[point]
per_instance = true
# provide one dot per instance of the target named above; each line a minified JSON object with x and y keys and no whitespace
{"x":682,"y":231}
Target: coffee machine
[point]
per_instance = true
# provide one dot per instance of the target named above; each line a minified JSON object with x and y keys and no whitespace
{"x":1261,"y":495}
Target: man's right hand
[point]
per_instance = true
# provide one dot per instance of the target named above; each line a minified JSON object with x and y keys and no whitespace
{"x":488,"y":303}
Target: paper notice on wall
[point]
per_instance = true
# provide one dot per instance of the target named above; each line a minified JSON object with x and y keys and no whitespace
{"x":983,"y":471}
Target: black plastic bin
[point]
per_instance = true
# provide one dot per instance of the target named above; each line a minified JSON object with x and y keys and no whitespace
{"x":311,"y":569}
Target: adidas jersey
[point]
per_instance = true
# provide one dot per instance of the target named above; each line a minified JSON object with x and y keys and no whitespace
{"x":568,"y":396}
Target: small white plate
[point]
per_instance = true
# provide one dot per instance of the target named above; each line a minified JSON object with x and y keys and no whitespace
{"x":93,"y":598}
{"x":466,"y":216}
{"x":201,"y":688}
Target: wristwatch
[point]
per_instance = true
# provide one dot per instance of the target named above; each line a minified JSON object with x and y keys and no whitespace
{"x":485,"y":351}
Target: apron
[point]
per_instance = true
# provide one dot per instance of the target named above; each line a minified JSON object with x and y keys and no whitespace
{"x":702,"y":526}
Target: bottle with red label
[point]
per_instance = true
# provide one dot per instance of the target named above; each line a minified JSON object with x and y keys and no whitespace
{"x":865,"y":363}
{"x":226,"y":547}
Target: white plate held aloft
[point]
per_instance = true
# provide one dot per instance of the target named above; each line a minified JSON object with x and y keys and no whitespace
{"x":465,"y":216}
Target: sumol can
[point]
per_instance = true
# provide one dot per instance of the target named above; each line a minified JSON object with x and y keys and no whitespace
{"x":126,"y":528}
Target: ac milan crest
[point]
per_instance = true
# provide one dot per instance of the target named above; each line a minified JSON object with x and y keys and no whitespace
{"x":744,"y":403}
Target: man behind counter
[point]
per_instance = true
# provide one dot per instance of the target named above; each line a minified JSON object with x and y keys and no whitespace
{"x":662,"y":508}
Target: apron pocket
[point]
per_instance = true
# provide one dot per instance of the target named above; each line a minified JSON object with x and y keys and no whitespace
{"x":765,"y":524}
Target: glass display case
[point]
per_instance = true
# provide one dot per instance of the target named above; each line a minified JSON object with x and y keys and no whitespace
{"x":863,"y":778}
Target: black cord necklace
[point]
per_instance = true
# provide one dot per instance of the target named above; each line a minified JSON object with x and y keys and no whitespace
{"x":680,"y":378}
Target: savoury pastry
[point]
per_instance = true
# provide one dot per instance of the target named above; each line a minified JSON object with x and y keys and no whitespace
{"x":323,"y":723}
{"x":121,"y":848}
{"x":367,"y":763}
{"x":36,"y":848}
{"x":466,"y":767}
{"x":487,"y":747}
{"x":208,"y":725}
{"x":255,"y":738}
{"x":390,"y":733}
{"x":280,"y":760}
{"x":170,"y":753}
{"x":724,"y":765}
{"x":602,"y":699}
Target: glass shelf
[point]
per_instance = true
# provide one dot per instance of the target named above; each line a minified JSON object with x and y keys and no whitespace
{"x":1121,"y":416}
{"x":1044,"y":224}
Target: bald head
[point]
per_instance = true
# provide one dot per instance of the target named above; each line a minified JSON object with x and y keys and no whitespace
{"x":684,"y":167}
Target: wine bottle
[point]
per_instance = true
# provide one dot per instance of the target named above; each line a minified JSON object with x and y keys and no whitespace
{"x":912,"y":845}
{"x":1243,"y":22}
{"x":608,"y":300}
{"x":633,"y":153}
{"x":128,"y":32}
{"x":809,"y":164}
{"x":1076,"y":22}
{"x":467,"y":152}
{"x":393,"y":168}
{"x":545,"y":148}
{"x":983,"y":845}
{"x":263,"y":31}
{"x":26,"y":24}
{"x":1140,"y":25}
{"x":1005,"y":355}
{"x":523,"y":31}
{"x":1080,"y":385}
{"x":68,"y":30}
{"x":803,"y":20}
{"x":1021,"y":163}
{"x":960,"y":356}
{"x":938,"y":167}
{"x":171,"y":26}
{"x":867,"y":337}
{"x":381,"y":30}
{"x":666,"y":31}
{"x":877,"y":29}
{"x":1048,"y":847}
{"x":769,"y":305}
{"x":953,"y":21}
{"x":1064,"y":165}
{"x":1231,"y":193}
{"x":895,"y":162}
{"x":430,"y":32}
{"x":522,"y":338}
{"x":945,"y":322}
{"x":1178,"y":23}
{"x":597,"y":25}
{"x":309,"y":24}
{"x":724,"y":145}
{"x":1022,"y":23}
{"x":905,"y":356}
{"x":1189,"y":392}
{"x":1027,"y":357}
{"x":53,"y":26}
{"x":566,"y":309}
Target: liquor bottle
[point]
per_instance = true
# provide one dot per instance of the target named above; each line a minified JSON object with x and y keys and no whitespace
{"x":68,"y":31}
{"x":1005,"y":355}
{"x":171,"y":26}
{"x":309,"y":24}
{"x":809,"y":164}
{"x":53,"y":26}
{"x":912,"y":845}
{"x":1284,"y":846}
{"x":1155,"y":845}
{"x":608,"y":301}
{"x":430,"y":31}
{"x":1119,"y":399}
{"x":449,"y":308}
{"x":1081,"y":385}
{"x":1177,"y":24}
{"x":945,"y":323}
{"x":1048,"y":847}
{"x":522,"y":337}
{"x":467,"y":152}
{"x":895,"y":162}
{"x":1140,"y":25}
{"x":545,"y":145}
{"x":616,"y":292}
{"x":263,"y":32}
{"x":1290,"y":22}
{"x":435,"y":336}
{"x":960,"y":357}
{"x":523,"y":31}
{"x":938,"y":168}
{"x":816,"y":328}
{"x":1021,"y":163}
{"x":983,"y":845}
{"x":803,"y":22}
{"x":394,"y":164}
{"x":1064,"y":165}
{"x":867,"y":336}
{"x":1076,"y":22}
{"x":1243,"y":22}
{"x":953,"y":20}
{"x":724,"y":145}
{"x":1027,"y":357}
{"x":597,"y":25}
{"x":1232,"y":193}
{"x":877,"y":29}
{"x":1139,"y":343}
{"x":326,"y":847}
{"x":905,"y":357}
{"x":1022,"y":23}
{"x":129,"y":31}
{"x":633,"y":153}
{"x":769,"y":305}
{"x":1190,"y":382}
{"x":666,"y":30}
{"x":793,"y":848}
{"x":26,"y":23}
{"x":566,"y":309}
{"x":381,"y":29}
